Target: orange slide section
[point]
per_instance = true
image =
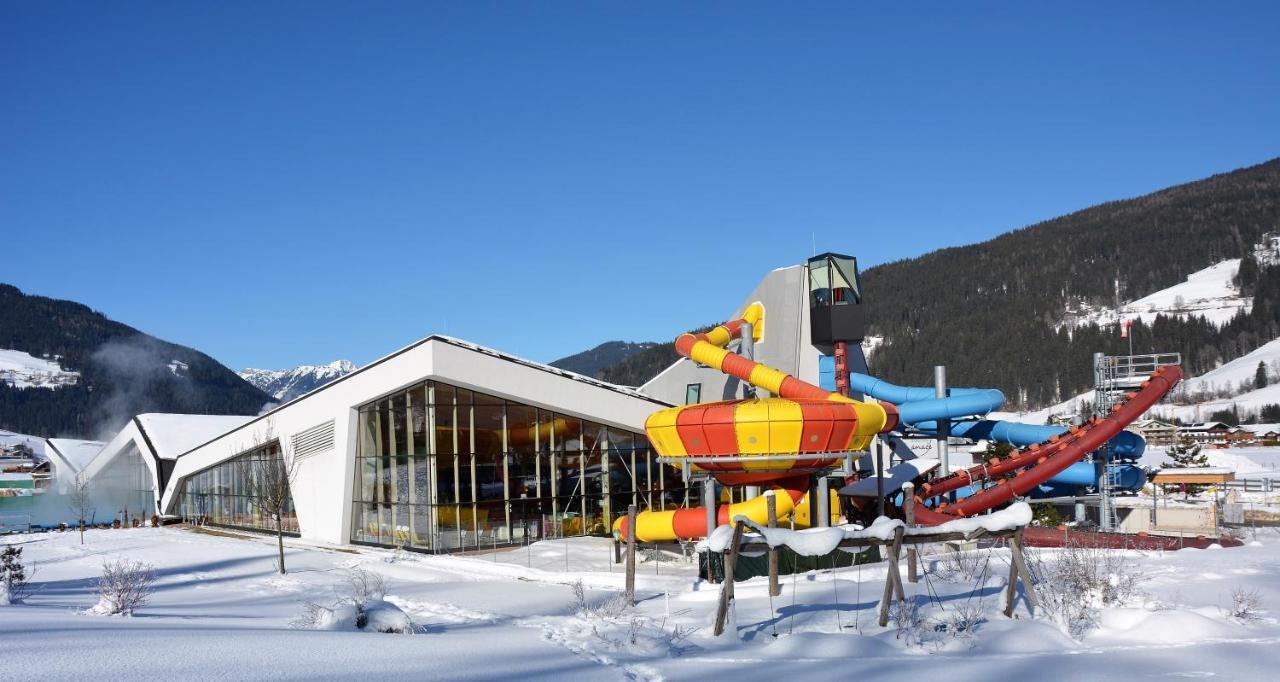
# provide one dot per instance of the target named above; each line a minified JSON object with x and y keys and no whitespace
{"x":803,"y":419}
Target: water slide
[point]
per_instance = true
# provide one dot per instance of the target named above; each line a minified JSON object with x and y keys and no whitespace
{"x":742,"y":435}
{"x":999,"y":480}
{"x":736,"y":438}
{"x":920,"y":409}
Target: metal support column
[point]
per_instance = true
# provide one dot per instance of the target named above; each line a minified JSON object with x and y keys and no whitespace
{"x":709,"y":501}
{"x":878,"y":448}
{"x":944,"y":426}
{"x":824,"y":503}
{"x":747,"y":349}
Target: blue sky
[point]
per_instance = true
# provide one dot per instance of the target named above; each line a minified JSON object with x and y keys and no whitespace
{"x":283,"y":183}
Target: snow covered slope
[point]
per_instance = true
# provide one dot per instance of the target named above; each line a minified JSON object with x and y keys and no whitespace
{"x":287,"y":384}
{"x":1208,"y":293}
{"x":23,"y":370}
{"x":1236,"y":376}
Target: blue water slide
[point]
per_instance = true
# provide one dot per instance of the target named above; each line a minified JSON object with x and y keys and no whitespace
{"x":1125,"y":445}
{"x":1123,"y":477}
{"x":919,"y":408}
{"x":883,"y":390}
{"x":920,"y":404}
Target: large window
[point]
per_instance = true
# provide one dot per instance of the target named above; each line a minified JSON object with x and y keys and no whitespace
{"x":442,"y":468}
{"x":222,"y":495}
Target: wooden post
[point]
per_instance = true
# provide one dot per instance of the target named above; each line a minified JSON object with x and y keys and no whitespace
{"x":726,"y":590}
{"x":909,"y":510}
{"x":895,"y":554}
{"x":1018,"y":571}
{"x":774,"y":588}
{"x":631,"y":555}
{"x":893,"y":581}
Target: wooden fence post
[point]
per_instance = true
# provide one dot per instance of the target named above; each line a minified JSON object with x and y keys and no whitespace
{"x":726,"y":590}
{"x":909,"y":510}
{"x":1018,"y":571}
{"x":893,"y":580}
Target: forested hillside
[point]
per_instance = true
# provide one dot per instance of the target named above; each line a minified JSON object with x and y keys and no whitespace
{"x":123,"y":372}
{"x":991,"y":312}
{"x":593,"y":362}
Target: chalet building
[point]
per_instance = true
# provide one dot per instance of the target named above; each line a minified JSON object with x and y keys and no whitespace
{"x":1155,"y":432}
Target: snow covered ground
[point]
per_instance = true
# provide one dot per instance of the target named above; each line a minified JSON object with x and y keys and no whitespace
{"x":1207,"y":293}
{"x":23,"y":370}
{"x":221,"y":612}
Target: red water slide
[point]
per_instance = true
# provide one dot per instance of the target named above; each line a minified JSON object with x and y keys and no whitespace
{"x":1025,"y":469}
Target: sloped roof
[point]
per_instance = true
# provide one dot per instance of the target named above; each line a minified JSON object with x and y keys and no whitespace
{"x":75,"y":453}
{"x":173,"y":434}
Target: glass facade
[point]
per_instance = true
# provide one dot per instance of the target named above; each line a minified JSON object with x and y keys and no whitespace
{"x":222,"y":495}
{"x":443,"y":468}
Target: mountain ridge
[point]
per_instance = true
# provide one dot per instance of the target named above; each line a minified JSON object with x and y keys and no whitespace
{"x":120,"y":371}
{"x":286,"y":384}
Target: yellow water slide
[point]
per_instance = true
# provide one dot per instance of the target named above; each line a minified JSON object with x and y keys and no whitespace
{"x":739,"y":441}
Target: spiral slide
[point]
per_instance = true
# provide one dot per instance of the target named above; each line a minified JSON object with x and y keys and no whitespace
{"x":919,"y":409}
{"x":803,"y":419}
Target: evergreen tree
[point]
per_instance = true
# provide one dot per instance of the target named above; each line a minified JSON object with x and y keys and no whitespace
{"x":1247,"y":276}
{"x":1260,"y":376}
{"x":1270,"y":414}
{"x":1184,"y":455}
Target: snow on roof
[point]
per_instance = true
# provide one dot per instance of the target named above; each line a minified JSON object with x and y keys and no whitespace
{"x":77,"y":453}
{"x":1204,"y":426}
{"x":173,"y":434}
{"x":1261,"y":428}
{"x":1174,"y":471}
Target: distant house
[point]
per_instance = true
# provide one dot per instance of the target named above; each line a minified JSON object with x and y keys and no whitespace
{"x":1263,"y":434}
{"x":1206,"y":433}
{"x":1218,"y":434}
{"x":1155,"y":432}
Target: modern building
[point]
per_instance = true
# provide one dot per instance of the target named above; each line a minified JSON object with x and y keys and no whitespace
{"x":442,"y":445}
{"x":445,"y":445}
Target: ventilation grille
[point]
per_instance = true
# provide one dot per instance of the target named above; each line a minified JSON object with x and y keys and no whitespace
{"x":313,"y":441}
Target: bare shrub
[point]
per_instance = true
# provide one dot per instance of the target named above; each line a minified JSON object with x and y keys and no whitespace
{"x":1074,"y":582}
{"x":962,"y":620}
{"x":364,"y":586}
{"x":1246,"y":605}
{"x":610,"y":607}
{"x":362,"y":605}
{"x":959,"y":566}
{"x":125,"y":587}
{"x":908,"y":622}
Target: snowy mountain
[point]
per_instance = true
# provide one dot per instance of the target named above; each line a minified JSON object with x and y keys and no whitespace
{"x":287,"y":384}
{"x":23,"y":370}
{"x":68,"y":370}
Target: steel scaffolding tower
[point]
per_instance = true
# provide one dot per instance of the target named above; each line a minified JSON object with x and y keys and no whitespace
{"x":1113,"y":375}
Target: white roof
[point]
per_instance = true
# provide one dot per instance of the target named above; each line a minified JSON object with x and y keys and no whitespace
{"x":1206,"y":426}
{"x":75,"y":453}
{"x":173,"y":434}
